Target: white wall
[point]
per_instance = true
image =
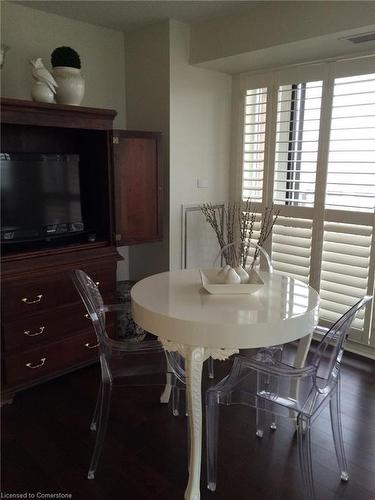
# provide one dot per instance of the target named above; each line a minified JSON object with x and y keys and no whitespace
{"x":31,"y":33}
{"x":191,"y":106}
{"x":147,"y":97}
{"x":200,"y":108}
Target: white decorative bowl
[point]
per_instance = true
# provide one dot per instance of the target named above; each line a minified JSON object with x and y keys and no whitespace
{"x":211,"y":284}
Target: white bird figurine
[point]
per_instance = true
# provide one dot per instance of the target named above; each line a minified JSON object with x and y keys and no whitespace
{"x":42,"y":75}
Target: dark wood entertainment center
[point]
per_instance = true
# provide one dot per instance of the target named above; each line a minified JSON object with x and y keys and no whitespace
{"x":45,"y":331}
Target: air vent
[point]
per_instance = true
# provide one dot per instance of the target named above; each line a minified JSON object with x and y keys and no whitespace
{"x":361,"y":38}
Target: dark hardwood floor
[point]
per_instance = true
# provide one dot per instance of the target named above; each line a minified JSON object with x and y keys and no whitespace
{"x":46,"y":445}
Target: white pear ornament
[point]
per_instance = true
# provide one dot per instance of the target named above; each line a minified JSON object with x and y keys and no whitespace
{"x":244,"y":275}
{"x":44,"y":85}
{"x":232,"y":277}
{"x":222,"y":274}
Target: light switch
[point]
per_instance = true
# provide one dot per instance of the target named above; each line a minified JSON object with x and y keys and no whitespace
{"x":202,"y":182}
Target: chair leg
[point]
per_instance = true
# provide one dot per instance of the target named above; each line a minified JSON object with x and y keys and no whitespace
{"x":335,"y":411}
{"x":166,"y":394}
{"x":304,"y":449}
{"x":94,"y":420}
{"x":175,"y":401}
{"x":277,"y":353}
{"x":261,"y":384}
{"x":275,"y":389}
{"x":273,"y":424}
{"x":212,"y":426}
{"x":102,"y":427}
{"x":187,"y":410}
{"x":211,"y":373}
{"x":259,"y":422}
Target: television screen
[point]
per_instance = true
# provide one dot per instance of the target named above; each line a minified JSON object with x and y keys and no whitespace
{"x":40,"y":195}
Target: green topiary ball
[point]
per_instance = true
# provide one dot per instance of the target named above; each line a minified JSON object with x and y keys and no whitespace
{"x":65,"y":56}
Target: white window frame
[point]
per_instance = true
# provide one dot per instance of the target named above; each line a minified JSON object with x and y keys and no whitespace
{"x":326,"y":71}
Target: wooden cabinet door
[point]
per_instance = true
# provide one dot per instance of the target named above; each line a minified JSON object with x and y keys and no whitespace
{"x":137,"y":183}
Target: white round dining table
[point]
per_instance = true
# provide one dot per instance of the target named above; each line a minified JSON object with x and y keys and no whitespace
{"x":186,"y":318}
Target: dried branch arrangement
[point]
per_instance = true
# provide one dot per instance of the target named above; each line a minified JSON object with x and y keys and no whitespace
{"x":233,"y":225}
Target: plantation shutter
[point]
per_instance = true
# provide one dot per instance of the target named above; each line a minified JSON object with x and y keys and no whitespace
{"x":350,"y":196}
{"x":297,"y":139}
{"x":254,"y":144}
{"x":345,"y":265}
{"x":295,"y":166}
{"x":351,"y":162}
{"x":317,"y":166}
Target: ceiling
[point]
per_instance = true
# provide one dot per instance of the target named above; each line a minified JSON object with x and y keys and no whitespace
{"x":128,"y":16}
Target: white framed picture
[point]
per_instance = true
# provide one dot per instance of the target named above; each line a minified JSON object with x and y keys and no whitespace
{"x":199,"y":245}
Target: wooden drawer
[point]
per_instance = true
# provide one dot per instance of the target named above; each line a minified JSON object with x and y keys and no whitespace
{"x":48,"y":326}
{"x":24,"y":297}
{"x":45,"y":360}
{"x":104,"y":276}
{"x":30,"y":296}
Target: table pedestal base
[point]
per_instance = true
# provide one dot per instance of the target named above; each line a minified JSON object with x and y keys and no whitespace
{"x":194,"y":359}
{"x":193,"y":372}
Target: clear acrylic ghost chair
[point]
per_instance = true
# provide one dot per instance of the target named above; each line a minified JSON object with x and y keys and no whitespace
{"x":250,"y":383}
{"x":135,"y":361}
{"x":179,"y":385}
{"x":258,"y":252}
{"x":275,"y":351}
{"x":260,"y":260}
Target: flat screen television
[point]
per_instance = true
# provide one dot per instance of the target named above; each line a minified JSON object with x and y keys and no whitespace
{"x":40,"y":197}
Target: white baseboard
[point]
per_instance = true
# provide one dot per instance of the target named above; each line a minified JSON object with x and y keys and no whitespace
{"x":350,"y":346}
{"x":362,"y":350}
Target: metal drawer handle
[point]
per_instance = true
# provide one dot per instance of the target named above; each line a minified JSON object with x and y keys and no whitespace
{"x":97,"y":283}
{"x":91,"y":346}
{"x":38,"y":298}
{"x":29,"y":334}
{"x":31,"y":365}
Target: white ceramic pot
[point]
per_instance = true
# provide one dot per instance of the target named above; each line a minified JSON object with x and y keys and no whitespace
{"x":71,"y":85}
{"x":40,"y":92}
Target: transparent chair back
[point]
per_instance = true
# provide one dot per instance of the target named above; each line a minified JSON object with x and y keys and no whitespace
{"x":257,"y":257}
{"x":328,"y":355}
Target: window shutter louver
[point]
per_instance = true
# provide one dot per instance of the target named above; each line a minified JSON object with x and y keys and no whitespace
{"x":351,"y":162}
{"x":254,"y":237}
{"x":345,"y":263}
{"x":291,"y":247}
